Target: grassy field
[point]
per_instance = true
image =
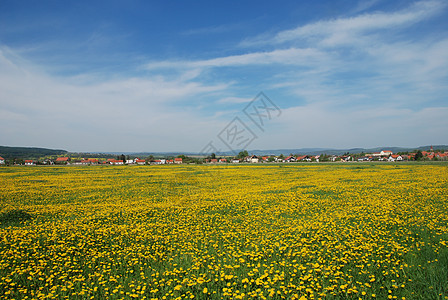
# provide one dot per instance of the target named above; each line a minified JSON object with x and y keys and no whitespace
{"x":294,"y":231}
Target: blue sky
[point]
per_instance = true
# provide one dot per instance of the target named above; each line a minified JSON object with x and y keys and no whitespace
{"x":171,"y":75}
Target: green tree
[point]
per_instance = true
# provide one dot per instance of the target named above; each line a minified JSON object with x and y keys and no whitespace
{"x":243,"y":154}
{"x":418,"y":155}
{"x":323,"y":157}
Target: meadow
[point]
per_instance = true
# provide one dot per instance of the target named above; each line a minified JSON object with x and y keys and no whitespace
{"x":291,"y":231}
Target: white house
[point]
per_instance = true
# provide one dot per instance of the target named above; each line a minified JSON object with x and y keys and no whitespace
{"x":140,"y":161}
{"x":386,"y":152}
{"x":290,"y":159}
{"x":254,"y":159}
{"x":29,"y":163}
{"x":396,"y":158}
{"x":235,"y":161}
{"x":345,"y":158}
{"x":2,"y":161}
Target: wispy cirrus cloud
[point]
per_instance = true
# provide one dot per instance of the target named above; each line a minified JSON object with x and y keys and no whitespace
{"x":233,"y":100}
{"x":340,"y":31}
{"x":291,"y":56}
{"x":38,"y":109}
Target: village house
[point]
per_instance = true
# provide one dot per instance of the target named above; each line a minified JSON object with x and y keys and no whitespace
{"x":178,"y":160}
{"x":62,"y":160}
{"x":235,"y":161}
{"x":253,"y":159}
{"x":290,"y":159}
{"x":140,"y":161}
{"x":90,"y":161}
{"x":112,"y":161}
{"x":277,"y":159}
{"x":222,"y":160}
{"x":2,"y":161}
{"x":303,"y":158}
{"x":441,"y":156}
{"x":396,"y":157}
{"x":365,"y":158}
{"x":29,"y":162}
{"x":47,"y":162}
{"x":386,"y":153}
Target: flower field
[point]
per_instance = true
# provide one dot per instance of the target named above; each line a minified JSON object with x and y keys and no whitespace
{"x":290,"y":231}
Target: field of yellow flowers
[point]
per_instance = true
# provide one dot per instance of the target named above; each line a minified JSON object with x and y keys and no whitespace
{"x":292,"y":231}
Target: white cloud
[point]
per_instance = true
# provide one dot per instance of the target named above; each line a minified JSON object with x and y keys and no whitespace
{"x":291,"y":56}
{"x":318,"y":126}
{"x":37,"y":109}
{"x":347,"y":30}
{"x":234,"y":100}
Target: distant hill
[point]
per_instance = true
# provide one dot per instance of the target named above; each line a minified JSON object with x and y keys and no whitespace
{"x":28,"y":152}
{"x":330,"y":151}
{"x":310,"y":151}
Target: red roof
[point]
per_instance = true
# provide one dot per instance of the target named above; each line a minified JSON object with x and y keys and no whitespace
{"x":90,"y":160}
{"x":1,"y":158}
{"x":28,"y":161}
{"x":114,"y":160}
{"x":62,"y":159}
{"x":140,"y":160}
{"x":178,"y":159}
